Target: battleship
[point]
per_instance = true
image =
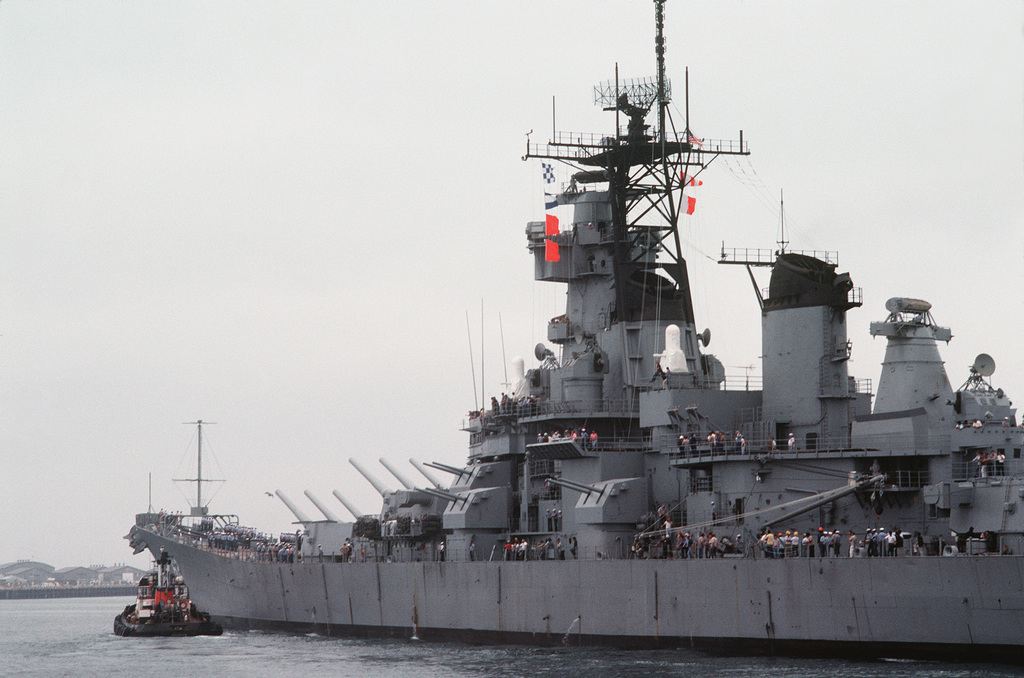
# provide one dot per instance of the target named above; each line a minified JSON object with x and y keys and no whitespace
{"x":625,"y":492}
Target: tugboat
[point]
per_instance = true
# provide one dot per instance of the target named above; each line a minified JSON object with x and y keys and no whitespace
{"x":163,"y":608}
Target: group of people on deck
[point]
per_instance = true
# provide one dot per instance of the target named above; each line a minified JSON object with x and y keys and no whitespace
{"x":990,"y":463}
{"x":666,"y":542}
{"x":587,"y":438}
{"x":545,"y":549}
{"x":715,"y":441}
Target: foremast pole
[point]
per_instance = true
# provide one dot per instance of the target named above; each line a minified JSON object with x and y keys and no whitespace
{"x":199,"y":464}
{"x":198,"y":509}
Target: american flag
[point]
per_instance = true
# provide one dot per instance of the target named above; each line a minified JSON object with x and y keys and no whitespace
{"x":693,"y":140}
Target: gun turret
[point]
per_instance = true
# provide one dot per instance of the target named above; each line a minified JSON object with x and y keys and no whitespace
{"x":331,"y":518}
{"x":377,"y":485}
{"x":302,"y":517}
{"x":405,"y":483}
{"x":349,"y":505}
{"x":425,"y":473}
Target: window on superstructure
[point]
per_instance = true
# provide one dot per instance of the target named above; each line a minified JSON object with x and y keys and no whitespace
{"x":701,"y":481}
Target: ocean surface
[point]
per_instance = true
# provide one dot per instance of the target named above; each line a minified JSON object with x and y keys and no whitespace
{"x":74,"y":637}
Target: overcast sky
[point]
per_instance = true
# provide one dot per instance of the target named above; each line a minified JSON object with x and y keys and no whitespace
{"x":276,"y":216}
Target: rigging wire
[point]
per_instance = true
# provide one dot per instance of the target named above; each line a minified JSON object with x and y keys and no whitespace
{"x":703,"y":282}
{"x":816,"y":470}
{"x":756,"y":186}
{"x":743,"y":170}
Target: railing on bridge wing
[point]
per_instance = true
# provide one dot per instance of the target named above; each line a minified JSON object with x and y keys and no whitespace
{"x":478,"y":421}
{"x":603,"y":443}
{"x":625,"y":406}
{"x":909,"y":479}
{"x":966,"y":468}
{"x":730,"y":382}
{"x":511,"y":411}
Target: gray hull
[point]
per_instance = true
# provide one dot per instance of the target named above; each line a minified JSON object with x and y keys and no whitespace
{"x":925,"y":607}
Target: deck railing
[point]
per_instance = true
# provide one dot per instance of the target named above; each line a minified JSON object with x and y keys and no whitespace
{"x":703,"y":450}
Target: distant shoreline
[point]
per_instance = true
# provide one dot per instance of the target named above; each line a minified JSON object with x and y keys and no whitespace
{"x":33,"y":592}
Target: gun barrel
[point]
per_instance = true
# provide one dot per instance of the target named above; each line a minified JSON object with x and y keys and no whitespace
{"x":302,"y":517}
{"x":323,"y":508}
{"x":349,"y":505}
{"x":446,"y":468}
{"x":386,"y":464}
{"x":814,"y":501}
{"x":425,"y":473}
{"x":441,"y":493}
{"x":377,"y":485}
{"x":583,"y":489}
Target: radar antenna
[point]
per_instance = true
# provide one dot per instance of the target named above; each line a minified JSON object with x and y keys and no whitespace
{"x":984,"y":366}
{"x":659,"y":51}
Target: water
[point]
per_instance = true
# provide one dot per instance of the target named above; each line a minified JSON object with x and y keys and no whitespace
{"x":74,"y":637}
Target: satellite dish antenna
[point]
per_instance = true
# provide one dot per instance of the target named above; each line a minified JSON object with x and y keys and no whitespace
{"x":984,"y":365}
{"x":540,"y":351}
{"x":705,"y":336}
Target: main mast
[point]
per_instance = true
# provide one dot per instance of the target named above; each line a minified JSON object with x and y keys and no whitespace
{"x":641,"y":176}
